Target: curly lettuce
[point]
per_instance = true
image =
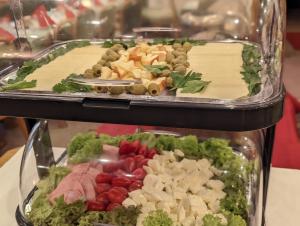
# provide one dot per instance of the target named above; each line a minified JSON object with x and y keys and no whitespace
{"x":158,"y":218}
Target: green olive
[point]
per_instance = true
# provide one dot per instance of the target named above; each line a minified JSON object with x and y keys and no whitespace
{"x":105,"y":57}
{"x":138,"y":89}
{"x":170,"y":67}
{"x":181,"y":49}
{"x":107,"y":64}
{"x":97,"y":70}
{"x":177,"y":53}
{"x":116,"y":90}
{"x":112,"y":55}
{"x":89,"y":73}
{"x":181,"y":69}
{"x":169,"y":82}
{"x":187,"y":46}
{"x":176,"y":45}
{"x":154,"y":89}
{"x":101,"y":89}
{"x":101,"y":62}
{"x":178,"y":61}
{"x":182,"y":57}
{"x":169,"y":57}
{"x":165,"y":73}
{"x":117,"y":47}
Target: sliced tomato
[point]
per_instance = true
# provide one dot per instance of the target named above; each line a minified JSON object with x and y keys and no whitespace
{"x":129,"y":164}
{"x":103,"y":198}
{"x":142,"y":163}
{"x":123,"y":190}
{"x":135,"y":185}
{"x":111,"y":167}
{"x":150,"y":154}
{"x":112,"y":206}
{"x":121,"y":182}
{"x":142,"y":150}
{"x":125,"y":148}
{"x":116,"y":196}
{"x":104,"y":178}
{"x":95,"y":206}
{"x":136,"y":145}
{"x":139,"y":174}
{"x":102,"y":187}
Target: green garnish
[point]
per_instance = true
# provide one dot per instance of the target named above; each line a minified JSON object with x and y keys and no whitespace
{"x":190,"y":83}
{"x":251,"y":68}
{"x":195,"y":86}
{"x":67,"y":85}
{"x":158,"y":218}
{"x":43,"y":213}
{"x":118,"y":216}
{"x":156,"y":69}
{"x":170,"y":41}
{"x":19,"y":85}
{"x":211,"y":220}
{"x":125,"y":44}
{"x":235,"y":220}
{"x":31,"y":65}
{"x":84,"y":147}
{"x":236,"y":176}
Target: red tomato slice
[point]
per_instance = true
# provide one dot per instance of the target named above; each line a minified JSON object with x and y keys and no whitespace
{"x":121,"y":182}
{"x":104,"y":178}
{"x":129,"y":164}
{"x":102,"y":187}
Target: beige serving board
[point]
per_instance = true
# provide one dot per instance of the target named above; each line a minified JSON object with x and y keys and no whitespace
{"x":219,"y":63}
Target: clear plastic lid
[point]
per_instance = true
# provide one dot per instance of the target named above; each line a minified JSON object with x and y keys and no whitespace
{"x":234,"y":49}
{"x":127,"y":175}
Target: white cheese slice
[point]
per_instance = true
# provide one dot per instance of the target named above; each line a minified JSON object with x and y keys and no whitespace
{"x":220,"y":63}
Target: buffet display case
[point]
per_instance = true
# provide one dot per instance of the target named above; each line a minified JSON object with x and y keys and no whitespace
{"x":159,"y":170}
{"x":211,"y":68}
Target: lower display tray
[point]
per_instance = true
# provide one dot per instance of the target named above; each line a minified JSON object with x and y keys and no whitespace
{"x":134,"y":175}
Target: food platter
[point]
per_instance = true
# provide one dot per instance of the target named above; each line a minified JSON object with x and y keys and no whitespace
{"x":87,"y":103}
{"x":150,"y":63}
{"x":134,"y":159}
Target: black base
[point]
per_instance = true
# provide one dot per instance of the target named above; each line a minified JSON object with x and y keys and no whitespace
{"x":174,"y":114}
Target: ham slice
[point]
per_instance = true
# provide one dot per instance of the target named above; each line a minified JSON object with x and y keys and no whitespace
{"x":78,"y":185}
{"x":89,"y":190}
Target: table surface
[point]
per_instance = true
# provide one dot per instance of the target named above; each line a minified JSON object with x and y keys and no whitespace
{"x":283,"y":199}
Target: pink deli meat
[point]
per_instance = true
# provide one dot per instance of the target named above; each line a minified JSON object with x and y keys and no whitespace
{"x":78,"y":185}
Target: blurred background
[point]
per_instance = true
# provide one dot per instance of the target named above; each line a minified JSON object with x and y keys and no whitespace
{"x":47,"y":22}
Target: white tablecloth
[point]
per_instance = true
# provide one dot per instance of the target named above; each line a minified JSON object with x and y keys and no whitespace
{"x":283,"y":199}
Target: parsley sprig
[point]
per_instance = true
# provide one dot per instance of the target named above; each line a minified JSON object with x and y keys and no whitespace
{"x":251,"y":68}
{"x":190,"y":83}
{"x":67,"y":85}
{"x":170,"y":41}
{"x":30,"y":66}
{"x":125,"y":44}
{"x":156,"y":69}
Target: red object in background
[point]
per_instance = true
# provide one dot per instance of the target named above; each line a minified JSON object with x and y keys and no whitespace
{"x":5,"y":19}
{"x":41,"y":13}
{"x":286,"y":152}
{"x":6,"y":36}
{"x":68,"y":12}
{"x":294,"y":39}
{"x":117,"y":130}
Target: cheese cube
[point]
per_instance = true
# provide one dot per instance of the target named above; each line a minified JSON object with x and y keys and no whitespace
{"x":215,"y":184}
{"x":129,"y":202}
{"x":138,"y":197}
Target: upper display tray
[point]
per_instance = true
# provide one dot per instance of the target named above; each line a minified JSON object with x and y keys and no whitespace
{"x":230,"y":63}
{"x":165,"y":73}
